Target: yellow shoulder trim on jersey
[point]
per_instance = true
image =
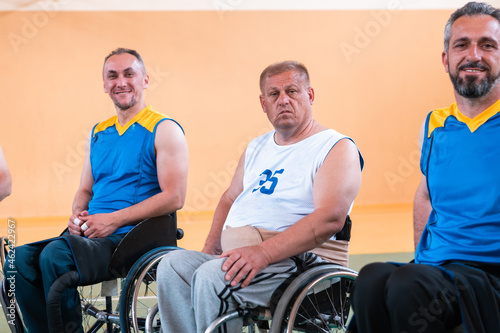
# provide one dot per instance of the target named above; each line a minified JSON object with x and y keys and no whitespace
{"x":150,"y":119}
{"x":147,"y":118}
{"x":438,"y":117}
{"x":105,"y":124}
{"x":481,"y":118}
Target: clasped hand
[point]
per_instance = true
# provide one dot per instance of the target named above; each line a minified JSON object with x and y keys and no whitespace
{"x":92,"y":226}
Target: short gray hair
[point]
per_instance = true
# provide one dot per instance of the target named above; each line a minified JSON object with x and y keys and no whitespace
{"x":122,"y":50}
{"x":281,"y":67}
{"x":470,"y":9}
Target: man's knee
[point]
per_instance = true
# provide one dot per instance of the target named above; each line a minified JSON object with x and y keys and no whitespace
{"x":370,"y":284}
{"x":181,"y":263}
{"x":415,"y":283}
{"x":169,"y":264}
{"x":374,"y":276}
{"x":56,"y":254}
{"x":210,"y":275}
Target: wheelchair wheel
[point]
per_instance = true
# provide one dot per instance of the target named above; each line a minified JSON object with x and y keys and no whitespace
{"x":138,"y":300}
{"x":93,"y":303}
{"x":317,"y":301}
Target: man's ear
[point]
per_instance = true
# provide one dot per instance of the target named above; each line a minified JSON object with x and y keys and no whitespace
{"x":444,"y":59}
{"x":146,"y":81}
{"x":310,"y":92}
{"x":262,"y":103}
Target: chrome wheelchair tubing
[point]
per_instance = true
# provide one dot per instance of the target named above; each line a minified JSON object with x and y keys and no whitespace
{"x":134,"y":309}
{"x":225,"y":318}
{"x":149,"y":326}
{"x":249,"y":316}
{"x":288,"y":305}
{"x":155,"y":261}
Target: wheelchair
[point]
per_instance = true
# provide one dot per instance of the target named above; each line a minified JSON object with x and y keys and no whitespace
{"x":317,"y":300}
{"x":132,"y":266}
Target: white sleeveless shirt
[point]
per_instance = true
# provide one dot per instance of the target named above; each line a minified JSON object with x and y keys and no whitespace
{"x":278,"y":181}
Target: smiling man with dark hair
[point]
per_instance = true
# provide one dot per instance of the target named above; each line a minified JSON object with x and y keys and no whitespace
{"x":456,"y":274}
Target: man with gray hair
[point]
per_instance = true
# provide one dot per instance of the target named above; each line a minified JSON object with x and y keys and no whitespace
{"x":455,"y":277}
{"x":289,"y":196}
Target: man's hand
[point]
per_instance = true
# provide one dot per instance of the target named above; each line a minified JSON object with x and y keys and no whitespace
{"x":75,"y":228}
{"x":98,"y":225}
{"x":211,"y":250}
{"x":212,"y":246}
{"x":244,"y":263}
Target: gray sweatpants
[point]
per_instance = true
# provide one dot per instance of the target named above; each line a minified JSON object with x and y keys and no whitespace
{"x":192,"y":291}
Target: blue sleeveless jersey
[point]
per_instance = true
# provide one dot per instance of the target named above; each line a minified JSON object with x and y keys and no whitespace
{"x":461,"y":161}
{"x":123,"y":162}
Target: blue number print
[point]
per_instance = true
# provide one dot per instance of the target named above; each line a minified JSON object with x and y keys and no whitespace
{"x":270,"y":177}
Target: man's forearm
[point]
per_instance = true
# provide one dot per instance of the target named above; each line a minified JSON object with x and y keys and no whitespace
{"x":420,"y":216}
{"x":159,"y":204}
{"x":81,"y":201}
{"x":421,"y":210}
{"x":305,"y":235}
{"x":212,"y":242}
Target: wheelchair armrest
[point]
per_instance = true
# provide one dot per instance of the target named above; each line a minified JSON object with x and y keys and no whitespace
{"x":145,"y":236}
{"x":345,"y":233}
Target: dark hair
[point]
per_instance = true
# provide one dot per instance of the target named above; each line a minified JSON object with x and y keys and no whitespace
{"x":281,"y":67}
{"x":122,"y":50}
{"x":470,"y":9}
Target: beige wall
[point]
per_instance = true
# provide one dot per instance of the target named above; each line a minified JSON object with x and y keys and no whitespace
{"x":376,"y":75}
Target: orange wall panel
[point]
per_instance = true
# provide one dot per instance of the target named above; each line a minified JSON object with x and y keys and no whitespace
{"x":376,"y":75}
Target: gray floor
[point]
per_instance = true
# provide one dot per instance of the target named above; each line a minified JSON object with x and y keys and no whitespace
{"x":357,"y":261}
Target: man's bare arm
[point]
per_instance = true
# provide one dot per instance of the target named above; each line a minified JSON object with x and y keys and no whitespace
{"x":421,"y":204}
{"x":5,"y":180}
{"x":421,"y":210}
{"x":84,"y":192}
{"x":212,"y":244}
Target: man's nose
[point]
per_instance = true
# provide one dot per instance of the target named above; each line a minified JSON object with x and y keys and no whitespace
{"x":474,"y":53}
{"x":284,"y":99}
{"x":122,"y":81}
